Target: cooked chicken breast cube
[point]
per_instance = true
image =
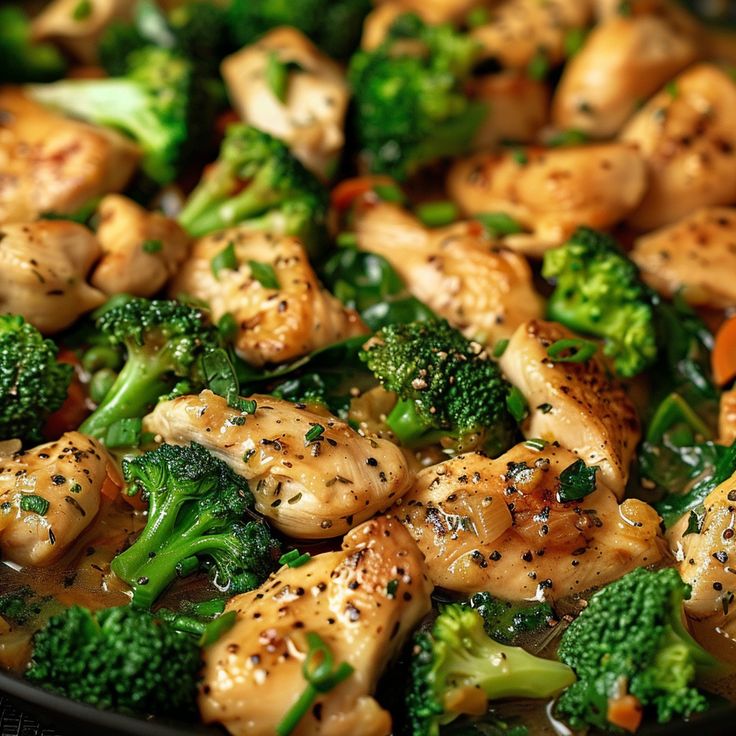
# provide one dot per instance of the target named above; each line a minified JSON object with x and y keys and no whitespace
{"x":519,"y":30}
{"x":687,"y":135}
{"x":551,"y":192}
{"x":695,"y":257}
{"x":43,"y":267}
{"x":308,"y":489}
{"x":48,"y":496}
{"x":482,"y":290}
{"x":60,"y":21}
{"x":311,"y":116}
{"x":141,"y":250}
{"x":279,"y":317}
{"x":49,"y":163}
{"x":362,"y":601}
{"x":623,"y":62}
{"x":500,"y":526}
{"x":575,"y":404}
{"x":727,"y":417}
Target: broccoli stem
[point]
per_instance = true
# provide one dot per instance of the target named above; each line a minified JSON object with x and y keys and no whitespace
{"x":406,"y":422}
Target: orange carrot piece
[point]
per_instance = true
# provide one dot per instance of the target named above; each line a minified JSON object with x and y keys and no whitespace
{"x":347,"y":191}
{"x":625,"y":712}
{"x":723,"y":357}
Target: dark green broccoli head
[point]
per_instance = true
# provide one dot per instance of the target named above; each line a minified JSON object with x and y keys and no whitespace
{"x":198,"y":515}
{"x":410,"y":108}
{"x":509,"y":622}
{"x":631,"y":639}
{"x":23,"y":60}
{"x":334,"y":25}
{"x":32,"y":383}
{"x":446,"y":384}
{"x":457,"y":658}
{"x":598,"y":292}
{"x":119,"y":659}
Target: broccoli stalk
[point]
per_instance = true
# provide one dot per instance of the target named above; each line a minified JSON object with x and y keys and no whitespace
{"x":164,"y":340}
{"x":159,"y":103}
{"x":196,"y":511}
{"x":256,"y":182}
{"x":447,"y":386}
{"x":630,"y":639}
{"x":119,"y":659}
{"x":457,"y":660}
{"x":509,"y":622}
{"x":32,"y":383}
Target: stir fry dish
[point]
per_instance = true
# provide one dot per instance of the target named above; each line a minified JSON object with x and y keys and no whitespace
{"x":369,"y":368}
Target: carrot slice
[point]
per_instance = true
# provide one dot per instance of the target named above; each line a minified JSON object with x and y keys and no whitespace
{"x":348,"y":190}
{"x":70,"y":414}
{"x":625,"y":712}
{"x":723,"y":357}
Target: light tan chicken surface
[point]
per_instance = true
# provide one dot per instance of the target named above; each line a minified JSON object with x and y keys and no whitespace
{"x":727,"y":417}
{"x":499,"y":526}
{"x":687,"y":135}
{"x":79,"y":32}
{"x":141,"y":250}
{"x":311,"y":116}
{"x":519,"y":30}
{"x":309,"y":490}
{"x":551,"y":192}
{"x":274,"y":324}
{"x":434,"y":11}
{"x":575,"y":404}
{"x":43,"y":267}
{"x":363,"y":601}
{"x":706,"y":559}
{"x":695,"y":257}
{"x":63,"y":480}
{"x":482,"y":290}
{"x":623,"y":62}
{"x":49,"y":163}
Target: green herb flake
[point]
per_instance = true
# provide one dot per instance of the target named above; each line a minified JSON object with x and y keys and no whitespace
{"x":347,"y":240}
{"x":75,"y":488}
{"x":477,"y":17}
{"x":566,"y":138}
{"x":535,"y":444}
{"x":516,"y":404}
{"x":34,"y":504}
{"x":520,"y":156}
{"x":314,"y":433}
{"x":695,"y":520}
{"x":152,"y":246}
{"x":576,"y":481}
{"x":82,"y":10}
{"x":227,"y":326}
{"x":538,"y":68}
{"x":574,"y":41}
{"x":389,"y":193}
{"x":219,"y":374}
{"x":671,"y":89}
{"x":264,"y":274}
{"x":247,"y":406}
{"x":391,"y":587}
{"x":225,"y":259}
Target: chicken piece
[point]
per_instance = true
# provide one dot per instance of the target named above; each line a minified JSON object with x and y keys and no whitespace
{"x":687,"y":135}
{"x":551,"y":192}
{"x":275,"y":324}
{"x":434,"y":11}
{"x":43,"y":267}
{"x":79,"y":32}
{"x":363,"y":601}
{"x":48,"y":496}
{"x":518,"y":108}
{"x":49,"y":163}
{"x":575,"y":404}
{"x":622,"y":63}
{"x":519,"y":30}
{"x":141,"y":250}
{"x":311,"y":117}
{"x":727,"y":417}
{"x":695,"y":257}
{"x":499,"y":526}
{"x":705,"y":559}
{"x":483,"y":291}
{"x":308,"y":489}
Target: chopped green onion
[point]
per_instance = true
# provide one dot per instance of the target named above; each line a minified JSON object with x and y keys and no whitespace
{"x":264,"y":274}
{"x":82,"y":10}
{"x":500,"y":348}
{"x":277,"y":76}
{"x":215,"y":629}
{"x":576,"y":481}
{"x":207,"y":609}
{"x":477,"y":17}
{"x":567,"y":138}
{"x":227,"y":326}
{"x":313,"y":433}
{"x":152,"y":246}
{"x":247,"y":406}
{"x":219,"y":374}
{"x":574,"y":40}
{"x":535,"y":444}
{"x":516,"y":404}
{"x":572,"y":350}
{"x":671,"y":89}
{"x":347,"y":240}
{"x":538,"y":67}
{"x":35,"y":504}
{"x":293,"y":558}
{"x":389,"y":193}
{"x":225,"y":259}
{"x":498,"y":224}
{"x":520,"y":156}
{"x":437,"y":214}
{"x":124,"y":433}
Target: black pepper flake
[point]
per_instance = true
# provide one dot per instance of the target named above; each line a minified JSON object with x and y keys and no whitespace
{"x":717,"y":586}
{"x":721,"y":556}
{"x":58,"y":480}
{"x":495,"y":555}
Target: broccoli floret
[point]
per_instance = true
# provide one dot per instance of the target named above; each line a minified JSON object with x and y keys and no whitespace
{"x":447,"y":386}
{"x":22,"y":59}
{"x":598,"y":292}
{"x":510,"y":622}
{"x":32,"y":384}
{"x":159,"y":102}
{"x":198,"y":513}
{"x":410,"y":108}
{"x":118,"y":659}
{"x":334,"y":25}
{"x":457,"y":658}
{"x":631,"y":640}
{"x":164,"y":340}
{"x":257,"y":182}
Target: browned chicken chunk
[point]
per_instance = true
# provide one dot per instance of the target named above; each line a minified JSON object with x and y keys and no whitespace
{"x":308,"y":488}
{"x":500,"y":526}
{"x":49,"y":163}
{"x":727,"y":417}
